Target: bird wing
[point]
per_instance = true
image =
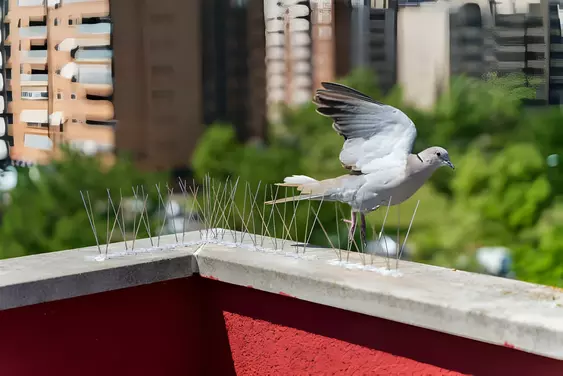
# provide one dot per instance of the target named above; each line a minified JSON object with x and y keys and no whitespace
{"x":378,"y":137}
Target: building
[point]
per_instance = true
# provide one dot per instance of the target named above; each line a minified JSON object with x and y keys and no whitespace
{"x":131,"y":76}
{"x":307,"y":42}
{"x":181,"y":65}
{"x":58,"y":77}
{"x":5,"y":138}
{"x":157,"y":80}
{"x":234,"y":68}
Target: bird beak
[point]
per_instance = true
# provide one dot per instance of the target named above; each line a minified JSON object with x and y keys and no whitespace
{"x":450,"y":164}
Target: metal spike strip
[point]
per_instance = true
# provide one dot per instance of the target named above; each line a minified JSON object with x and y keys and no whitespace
{"x":217,"y":214}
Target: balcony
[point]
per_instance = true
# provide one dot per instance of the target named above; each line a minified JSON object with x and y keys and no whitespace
{"x":37,"y":141}
{"x":213,"y":307}
{"x":69,"y":44}
{"x":31,"y":3}
{"x":99,"y":28}
{"x":94,"y":74}
{"x":35,"y":57}
{"x":34,"y":79}
{"x":33,"y":32}
{"x":34,"y":116}
{"x":93,"y":56}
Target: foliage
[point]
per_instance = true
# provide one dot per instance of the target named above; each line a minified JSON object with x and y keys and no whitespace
{"x":495,"y":197}
{"x":217,"y":152}
{"x":47,"y":214}
{"x":543,"y":263}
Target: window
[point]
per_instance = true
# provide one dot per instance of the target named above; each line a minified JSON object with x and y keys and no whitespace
{"x":56,"y":22}
{"x":34,"y":95}
{"x":41,"y":22}
{"x":74,"y":121}
{"x":70,"y":21}
{"x":59,"y":96}
{"x":73,"y":96}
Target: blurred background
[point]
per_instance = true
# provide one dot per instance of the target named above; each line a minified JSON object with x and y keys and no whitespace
{"x":122,"y":94}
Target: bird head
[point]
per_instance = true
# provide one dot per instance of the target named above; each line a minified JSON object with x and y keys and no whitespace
{"x":436,"y":156}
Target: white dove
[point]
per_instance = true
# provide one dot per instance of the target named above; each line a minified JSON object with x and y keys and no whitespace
{"x":377,"y":151}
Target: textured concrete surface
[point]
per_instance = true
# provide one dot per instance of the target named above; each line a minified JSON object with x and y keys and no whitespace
{"x":500,"y":311}
{"x":66,"y":274}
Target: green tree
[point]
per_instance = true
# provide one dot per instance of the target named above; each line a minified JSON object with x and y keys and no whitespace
{"x":495,"y":198}
{"x":47,"y":214}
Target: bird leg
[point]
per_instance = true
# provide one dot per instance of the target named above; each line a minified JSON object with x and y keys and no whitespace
{"x":352,"y":230}
{"x":363,"y":228}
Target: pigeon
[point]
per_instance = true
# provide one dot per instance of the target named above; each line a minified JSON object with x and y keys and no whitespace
{"x":377,"y":152}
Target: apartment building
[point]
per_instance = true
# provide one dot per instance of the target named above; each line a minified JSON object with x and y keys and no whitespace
{"x":58,"y":77}
{"x":4,"y":137}
{"x":308,"y":42}
{"x":144,"y":76}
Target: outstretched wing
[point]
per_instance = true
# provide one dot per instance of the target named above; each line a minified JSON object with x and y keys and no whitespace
{"x":378,"y":137}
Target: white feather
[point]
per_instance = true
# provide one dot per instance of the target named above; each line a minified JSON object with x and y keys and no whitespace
{"x":299,"y":179}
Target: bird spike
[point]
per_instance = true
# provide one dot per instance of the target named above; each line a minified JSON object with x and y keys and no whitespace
{"x":224,"y":212}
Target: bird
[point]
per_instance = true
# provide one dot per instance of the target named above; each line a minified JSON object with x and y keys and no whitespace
{"x":377,"y":152}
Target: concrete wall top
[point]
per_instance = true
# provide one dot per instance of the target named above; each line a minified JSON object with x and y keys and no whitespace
{"x":483,"y":308}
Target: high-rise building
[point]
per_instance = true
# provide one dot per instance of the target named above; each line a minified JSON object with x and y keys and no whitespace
{"x":58,"y":77}
{"x":5,"y":139}
{"x":308,"y":42}
{"x":144,"y":76}
{"x":181,"y":65}
{"x":234,"y":68}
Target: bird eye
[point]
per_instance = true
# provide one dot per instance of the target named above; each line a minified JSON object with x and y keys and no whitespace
{"x":438,"y":154}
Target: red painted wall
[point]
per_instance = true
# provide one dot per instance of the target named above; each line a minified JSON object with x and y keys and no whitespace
{"x":147,"y":330}
{"x":271,"y":334}
{"x":198,"y":326}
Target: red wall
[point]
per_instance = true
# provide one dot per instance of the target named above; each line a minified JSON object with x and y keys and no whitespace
{"x":147,"y":330}
{"x":199,"y":326}
{"x":272,"y":334}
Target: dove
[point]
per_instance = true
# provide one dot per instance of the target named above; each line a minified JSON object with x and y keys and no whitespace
{"x":377,"y":152}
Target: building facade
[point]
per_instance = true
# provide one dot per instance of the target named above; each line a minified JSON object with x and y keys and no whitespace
{"x":133,"y":76}
{"x":58,"y":77}
{"x":307,"y":42}
{"x":180,"y":66}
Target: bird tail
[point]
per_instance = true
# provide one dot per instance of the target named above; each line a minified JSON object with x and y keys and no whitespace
{"x":294,"y":198}
{"x":300,"y":182}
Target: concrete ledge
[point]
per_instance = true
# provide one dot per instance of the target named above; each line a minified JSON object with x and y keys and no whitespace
{"x":500,"y":311}
{"x":67,"y":274}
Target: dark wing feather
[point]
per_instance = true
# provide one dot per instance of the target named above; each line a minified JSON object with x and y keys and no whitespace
{"x":385,"y":129}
